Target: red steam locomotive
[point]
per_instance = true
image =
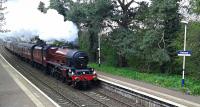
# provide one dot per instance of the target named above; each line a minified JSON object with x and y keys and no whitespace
{"x":66,"y":64}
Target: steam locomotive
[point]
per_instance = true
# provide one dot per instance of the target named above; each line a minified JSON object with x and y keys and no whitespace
{"x":68,"y":65}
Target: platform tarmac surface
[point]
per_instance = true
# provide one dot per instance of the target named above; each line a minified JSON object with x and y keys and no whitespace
{"x":16,"y":91}
{"x":152,"y":90}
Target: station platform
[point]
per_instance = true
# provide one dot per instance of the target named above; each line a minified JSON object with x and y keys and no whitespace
{"x":17,"y":91}
{"x":170,"y":96}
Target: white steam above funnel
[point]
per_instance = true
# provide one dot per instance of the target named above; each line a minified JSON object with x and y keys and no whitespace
{"x":25,"y":20}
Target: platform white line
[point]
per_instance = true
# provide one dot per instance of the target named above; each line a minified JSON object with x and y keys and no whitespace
{"x":110,"y":80}
{"x":52,"y":101}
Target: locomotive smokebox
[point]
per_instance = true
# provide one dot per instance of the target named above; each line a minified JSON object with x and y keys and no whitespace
{"x":78,"y":59}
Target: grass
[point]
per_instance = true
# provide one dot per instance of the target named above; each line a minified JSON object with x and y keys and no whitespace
{"x":167,"y":81}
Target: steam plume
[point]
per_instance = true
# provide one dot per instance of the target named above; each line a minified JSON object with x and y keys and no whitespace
{"x":25,"y":21}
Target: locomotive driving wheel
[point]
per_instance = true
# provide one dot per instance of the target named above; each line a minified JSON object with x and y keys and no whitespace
{"x":69,"y":81}
{"x":63,"y":79}
{"x":52,"y":72}
{"x":74,"y":84}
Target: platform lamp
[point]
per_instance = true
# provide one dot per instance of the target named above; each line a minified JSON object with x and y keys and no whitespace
{"x":184,"y":48}
{"x":99,"y":49}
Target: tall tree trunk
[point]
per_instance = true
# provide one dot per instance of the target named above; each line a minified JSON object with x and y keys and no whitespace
{"x":93,"y":46}
{"x":122,"y":61}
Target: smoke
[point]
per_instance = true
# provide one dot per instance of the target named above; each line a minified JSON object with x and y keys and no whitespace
{"x":26,"y":21}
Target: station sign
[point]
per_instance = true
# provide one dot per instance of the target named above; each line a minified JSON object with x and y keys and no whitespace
{"x":184,"y":53}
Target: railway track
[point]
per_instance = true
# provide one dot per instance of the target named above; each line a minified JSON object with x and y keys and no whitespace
{"x":65,"y":95}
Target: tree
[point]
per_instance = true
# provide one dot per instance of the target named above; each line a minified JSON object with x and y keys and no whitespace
{"x":90,"y":15}
{"x":37,"y":40}
{"x":195,"y":6}
{"x":41,"y":7}
{"x":161,"y":33}
{"x":59,"y":6}
{"x":123,"y":42}
{"x":128,"y":19}
{"x":193,"y":44}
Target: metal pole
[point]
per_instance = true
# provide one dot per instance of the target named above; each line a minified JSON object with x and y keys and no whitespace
{"x":183,"y":74}
{"x":1,"y":25}
{"x":99,"y":49}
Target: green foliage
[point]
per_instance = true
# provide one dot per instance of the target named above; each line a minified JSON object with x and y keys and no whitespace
{"x":123,"y":41}
{"x":124,"y":37}
{"x":193,"y":44}
{"x":196,"y":90}
{"x":58,"y":43}
{"x":42,"y":8}
{"x":157,"y":46}
{"x":90,"y":17}
{"x":84,"y":41}
{"x":59,"y":6}
{"x":76,"y":13}
{"x":65,"y":44}
{"x":108,"y":53}
{"x":147,"y":33}
{"x":195,"y":6}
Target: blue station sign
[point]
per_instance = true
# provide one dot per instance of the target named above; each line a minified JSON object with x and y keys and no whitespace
{"x":184,"y":53}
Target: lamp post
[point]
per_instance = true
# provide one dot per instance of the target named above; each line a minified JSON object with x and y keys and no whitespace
{"x":183,"y":73}
{"x":99,"y":49}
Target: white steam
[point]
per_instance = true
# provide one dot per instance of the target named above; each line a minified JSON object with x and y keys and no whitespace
{"x":26,"y":21}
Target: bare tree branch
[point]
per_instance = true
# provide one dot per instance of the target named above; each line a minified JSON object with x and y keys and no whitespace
{"x":128,"y":4}
{"x":120,"y":3}
{"x":162,"y":40}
